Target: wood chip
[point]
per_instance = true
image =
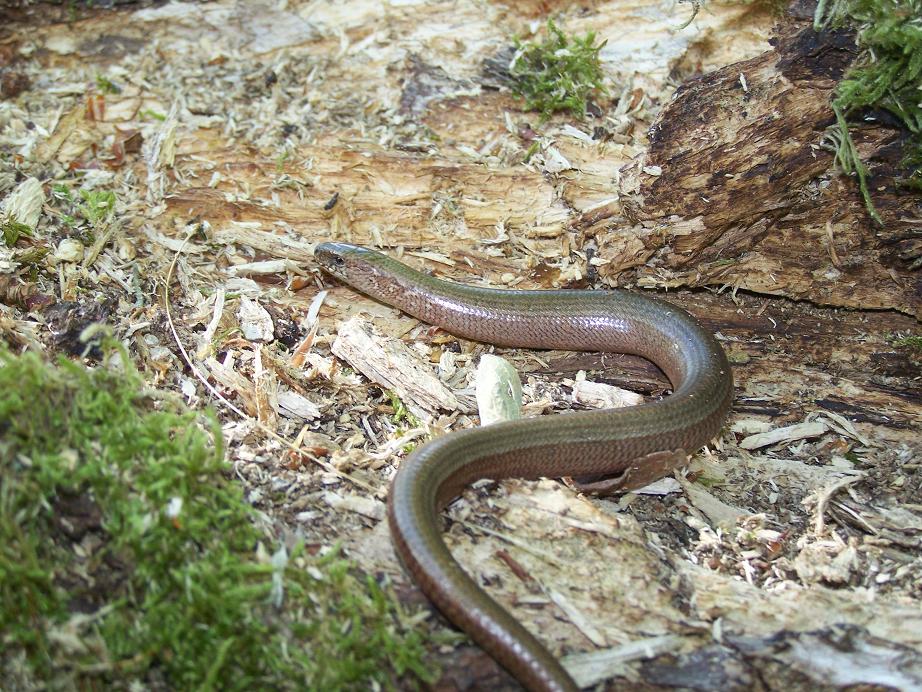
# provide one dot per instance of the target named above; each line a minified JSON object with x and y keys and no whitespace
{"x":226,"y":376}
{"x":255,"y":321}
{"x":392,"y":364}
{"x":278,"y":246}
{"x":350,"y":502}
{"x":294,"y":405}
{"x":555,"y":162}
{"x":591,"y":668}
{"x":601,"y":395}
{"x":577,"y":617}
{"x":499,"y":390}
{"x":278,"y":266}
{"x":790,"y":433}
{"x":204,"y":342}
{"x":719,"y":514}
{"x":24,"y":204}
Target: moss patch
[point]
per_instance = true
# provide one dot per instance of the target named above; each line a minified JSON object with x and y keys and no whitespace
{"x":887,"y":75}
{"x":132,"y":558}
{"x":912,"y":342}
{"x":558,"y":74}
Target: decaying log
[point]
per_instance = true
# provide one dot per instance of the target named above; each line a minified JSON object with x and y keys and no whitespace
{"x":739,"y":189}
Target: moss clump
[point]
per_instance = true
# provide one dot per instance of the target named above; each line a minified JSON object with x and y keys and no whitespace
{"x":887,"y":75}
{"x":11,"y":231}
{"x":558,"y":74}
{"x":129,"y":558}
{"x":911,"y":341}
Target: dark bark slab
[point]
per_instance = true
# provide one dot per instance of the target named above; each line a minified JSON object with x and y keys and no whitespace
{"x":738,"y":188}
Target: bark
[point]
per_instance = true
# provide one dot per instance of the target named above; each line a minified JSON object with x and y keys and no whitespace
{"x":738,"y":188}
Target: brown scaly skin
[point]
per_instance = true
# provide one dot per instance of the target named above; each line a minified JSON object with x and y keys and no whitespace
{"x":642,"y":443}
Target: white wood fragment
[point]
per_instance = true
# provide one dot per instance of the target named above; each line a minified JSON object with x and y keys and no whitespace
{"x":315,"y":443}
{"x":204,"y":341}
{"x":294,"y":405}
{"x":172,"y":244}
{"x":601,"y":395}
{"x":350,"y":502}
{"x":499,"y":390}
{"x":447,"y":366}
{"x":159,"y":153}
{"x":69,"y":250}
{"x":392,"y":364}
{"x":7,"y":265}
{"x":255,"y":321}
{"x":719,"y":513}
{"x":225,"y":375}
{"x":793,"y":471}
{"x":579,"y":620}
{"x":664,"y":486}
{"x":468,"y":151}
{"x":575,"y":133}
{"x":314,"y":309}
{"x":434,"y":257}
{"x":24,"y":204}
{"x":750,"y":426}
{"x":187,"y":387}
{"x":266,"y":386}
{"x":843,"y":425}
{"x":866,"y":663}
{"x":591,"y":668}
{"x":555,"y":162}
{"x":790,"y":433}
{"x":840,"y":463}
{"x":830,"y":562}
{"x":391,"y":447}
{"x":278,"y":266}
{"x":243,"y":286}
{"x":320,"y":365}
{"x":279,"y":246}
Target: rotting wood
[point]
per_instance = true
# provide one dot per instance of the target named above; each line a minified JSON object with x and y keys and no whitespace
{"x":737,"y":189}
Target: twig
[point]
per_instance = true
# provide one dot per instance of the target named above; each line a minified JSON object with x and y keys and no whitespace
{"x":518,"y":543}
{"x":825,"y":495}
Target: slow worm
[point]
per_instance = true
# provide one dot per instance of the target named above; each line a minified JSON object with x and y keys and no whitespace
{"x":637,"y":444}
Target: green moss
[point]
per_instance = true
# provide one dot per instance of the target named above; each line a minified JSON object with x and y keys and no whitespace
{"x":709,"y":482}
{"x":12,"y":230}
{"x":913,"y":164}
{"x":106,"y":85}
{"x":150,"y":113}
{"x":558,"y":74}
{"x":132,"y":557}
{"x":401,"y":412}
{"x":886,"y":75}
{"x":912,"y":342}
{"x":403,"y":418}
{"x":97,"y":206}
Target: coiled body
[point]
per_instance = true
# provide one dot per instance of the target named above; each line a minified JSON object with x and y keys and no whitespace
{"x":632,"y":442}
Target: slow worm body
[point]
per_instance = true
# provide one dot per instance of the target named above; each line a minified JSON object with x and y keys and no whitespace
{"x":640,"y":443}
